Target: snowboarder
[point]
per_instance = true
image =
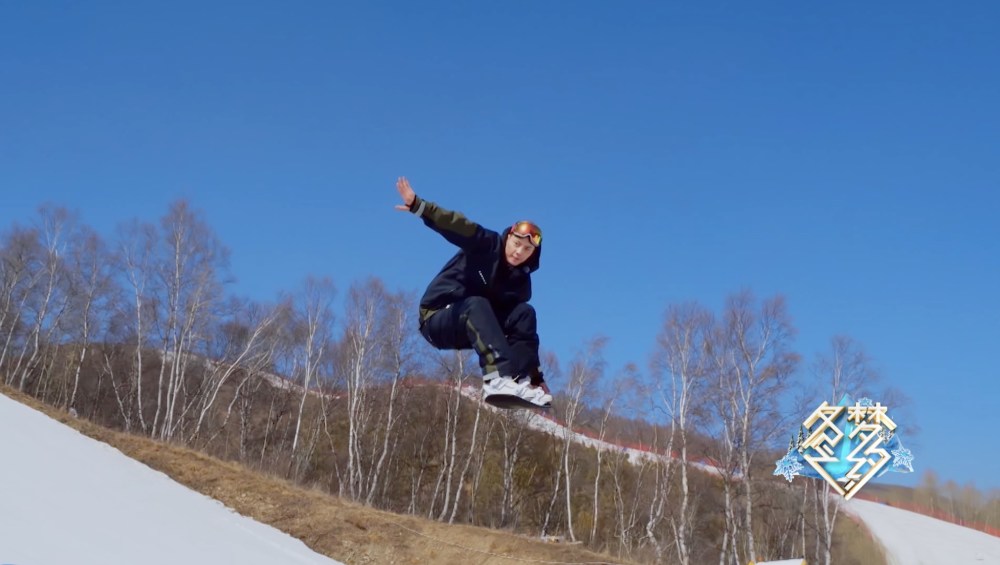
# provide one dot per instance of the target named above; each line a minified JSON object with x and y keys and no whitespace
{"x":479,"y":300}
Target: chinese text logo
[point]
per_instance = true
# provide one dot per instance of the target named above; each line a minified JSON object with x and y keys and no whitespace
{"x":847,"y":445}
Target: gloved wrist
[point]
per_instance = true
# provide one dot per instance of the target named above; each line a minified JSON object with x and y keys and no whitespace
{"x":417,"y":206}
{"x":536,"y":377}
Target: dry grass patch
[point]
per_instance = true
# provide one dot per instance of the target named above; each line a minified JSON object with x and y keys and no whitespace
{"x":854,"y":544}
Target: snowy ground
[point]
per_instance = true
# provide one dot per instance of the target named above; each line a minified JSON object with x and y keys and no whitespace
{"x":65,"y":498}
{"x":915,"y":539}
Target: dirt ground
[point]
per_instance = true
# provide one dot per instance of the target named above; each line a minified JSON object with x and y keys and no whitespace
{"x":345,"y":531}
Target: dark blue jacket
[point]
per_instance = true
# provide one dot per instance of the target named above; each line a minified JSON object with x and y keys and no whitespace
{"x":478,"y":268}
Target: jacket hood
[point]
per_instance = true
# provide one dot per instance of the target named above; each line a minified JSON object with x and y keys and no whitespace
{"x":533,"y":262}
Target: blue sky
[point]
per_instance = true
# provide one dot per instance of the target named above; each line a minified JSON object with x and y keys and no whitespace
{"x":843,"y":155}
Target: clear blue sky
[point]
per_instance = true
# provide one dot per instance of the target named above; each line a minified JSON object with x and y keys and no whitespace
{"x":844,"y":155}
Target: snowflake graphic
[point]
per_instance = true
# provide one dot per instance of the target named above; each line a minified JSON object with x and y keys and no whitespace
{"x":788,"y":466}
{"x":866,"y":402}
{"x":902,"y":457}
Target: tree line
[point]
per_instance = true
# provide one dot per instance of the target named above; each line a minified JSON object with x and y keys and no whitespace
{"x":138,"y":332}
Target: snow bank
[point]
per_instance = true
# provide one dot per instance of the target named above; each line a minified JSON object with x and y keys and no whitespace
{"x":66,"y":498}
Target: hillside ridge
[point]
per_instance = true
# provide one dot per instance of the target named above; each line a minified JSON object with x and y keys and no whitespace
{"x":329,"y":525}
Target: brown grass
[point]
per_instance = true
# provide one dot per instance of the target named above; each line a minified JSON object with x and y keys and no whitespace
{"x":854,"y":544}
{"x":340,"y":529}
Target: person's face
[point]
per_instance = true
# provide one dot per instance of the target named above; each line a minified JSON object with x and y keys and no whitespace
{"x":518,"y":250}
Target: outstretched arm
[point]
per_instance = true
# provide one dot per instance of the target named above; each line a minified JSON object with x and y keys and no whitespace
{"x":453,"y":226}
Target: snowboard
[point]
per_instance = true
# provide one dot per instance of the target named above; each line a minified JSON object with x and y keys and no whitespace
{"x":511,"y":402}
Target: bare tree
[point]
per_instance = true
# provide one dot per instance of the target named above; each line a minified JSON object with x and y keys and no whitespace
{"x":421,"y":461}
{"x":190,"y":274}
{"x":629,"y":494}
{"x":93,"y":290}
{"x":551,"y":362}
{"x":928,"y":491}
{"x":846,"y":369}
{"x":361,"y":350}
{"x":513,"y":426}
{"x":243,"y":344}
{"x":454,"y":365}
{"x":21,"y":267}
{"x":135,"y":258}
{"x":312,"y":319}
{"x":244,"y":399}
{"x":399,"y":359}
{"x":752,"y":362}
{"x":680,"y":370}
{"x":585,"y":376}
{"x":606,"y":411}
{"x":661,"y":489}
{"x":45,"y":308}
{"x":469,"y":455}
{"x":375,"y":353}
{"x":480,"y":459}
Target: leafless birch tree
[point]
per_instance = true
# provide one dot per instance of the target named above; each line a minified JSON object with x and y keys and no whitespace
{"x":680,"y":371}
{"x":92,"y":291}
{"x":456,"y":366}
{"x":585,"y":376}
{"x":845,"y":369}
{"x":662,"y":488}
{"x":312,"y":334}
{"x":22,"y":270}
{"x":375,"y":352}
{"x":606,"y":411}
{"x":243,"y":344}
{"x":135,"y":260}
{"x":189,"y":274}
{"x":398,"y":359}
{"x":753,"y":362}
{"x":45,"y":306}
{"x":513,"y":426}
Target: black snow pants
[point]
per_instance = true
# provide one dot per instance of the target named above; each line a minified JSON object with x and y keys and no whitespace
{"x":506,"y":342}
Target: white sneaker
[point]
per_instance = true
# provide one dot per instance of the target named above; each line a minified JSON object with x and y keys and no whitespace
{"x":497,"y":387}
{"x":494,"y":384}
{"x":535,"y":394}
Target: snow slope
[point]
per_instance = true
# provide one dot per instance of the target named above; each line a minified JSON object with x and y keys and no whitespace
{"x":915,"y":539}
{"x":66,"y":498}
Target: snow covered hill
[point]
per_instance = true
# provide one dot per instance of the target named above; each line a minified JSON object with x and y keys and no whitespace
{"x":914,"y":539}
{"x":66,"y":498}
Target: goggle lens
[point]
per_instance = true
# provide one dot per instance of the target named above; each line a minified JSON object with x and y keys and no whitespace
{"x":528,"y":230}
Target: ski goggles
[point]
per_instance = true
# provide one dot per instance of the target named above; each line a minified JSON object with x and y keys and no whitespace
{"x":529,"y":231}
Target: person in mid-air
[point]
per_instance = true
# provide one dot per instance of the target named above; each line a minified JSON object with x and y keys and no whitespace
{"x":479,"y":300}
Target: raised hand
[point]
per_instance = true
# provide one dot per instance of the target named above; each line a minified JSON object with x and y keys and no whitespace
{"x":406,"y":193}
